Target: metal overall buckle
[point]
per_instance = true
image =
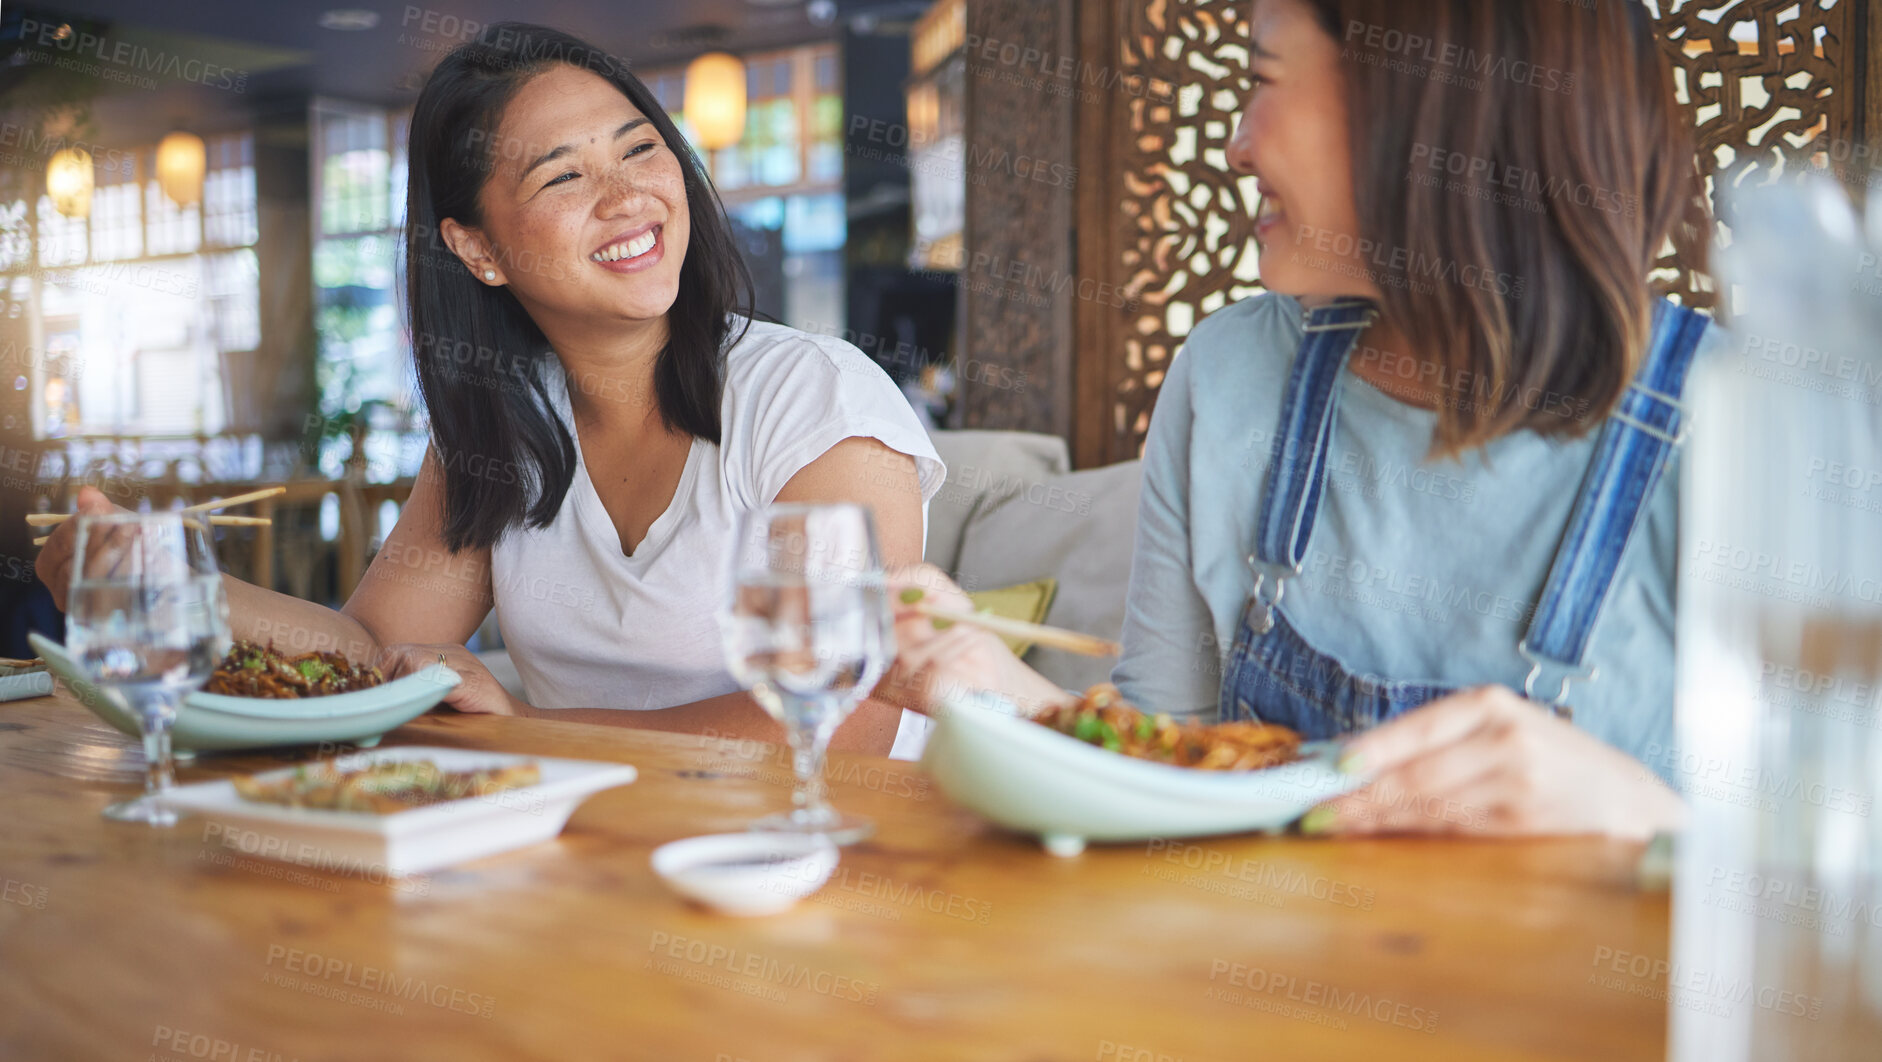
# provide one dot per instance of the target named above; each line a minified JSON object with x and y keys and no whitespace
{"x":1365,"y":321}
{"x":1267,"y":593}
{"x":1557,"y":704}
{"x":1682,"y":417}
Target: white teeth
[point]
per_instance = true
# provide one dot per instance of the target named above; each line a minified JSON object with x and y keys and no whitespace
{"x":633,"y":248}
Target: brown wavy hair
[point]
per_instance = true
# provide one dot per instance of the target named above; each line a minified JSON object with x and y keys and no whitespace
{"x":1526,"y":164}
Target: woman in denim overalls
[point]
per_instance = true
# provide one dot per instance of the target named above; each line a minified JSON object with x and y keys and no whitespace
{"x":1498,"y":234}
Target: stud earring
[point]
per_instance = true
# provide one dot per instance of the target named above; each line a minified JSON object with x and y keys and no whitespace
{"x":490,"y":274}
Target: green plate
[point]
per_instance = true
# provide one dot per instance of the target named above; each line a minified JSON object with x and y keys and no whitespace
{"x":1035,"y":780}
{"x":208,"y":722}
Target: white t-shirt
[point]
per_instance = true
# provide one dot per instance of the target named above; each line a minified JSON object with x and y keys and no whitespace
{"x":590,"y":627}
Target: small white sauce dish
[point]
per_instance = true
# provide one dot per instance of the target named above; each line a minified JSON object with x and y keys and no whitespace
{"x":746,"y":874}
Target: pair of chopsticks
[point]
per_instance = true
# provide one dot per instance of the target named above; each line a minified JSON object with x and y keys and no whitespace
{"x":54,"y":519}
{"x":1037,"y":633}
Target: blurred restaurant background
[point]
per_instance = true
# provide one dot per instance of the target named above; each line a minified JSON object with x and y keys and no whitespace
{"x":1018,"y":207}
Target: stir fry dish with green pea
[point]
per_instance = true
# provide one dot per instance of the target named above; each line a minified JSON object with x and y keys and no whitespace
{"x":1104,"y":719}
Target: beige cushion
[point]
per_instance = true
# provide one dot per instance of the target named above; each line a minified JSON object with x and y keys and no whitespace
{"x":979,"y":463}
{"x":1078,"y":528}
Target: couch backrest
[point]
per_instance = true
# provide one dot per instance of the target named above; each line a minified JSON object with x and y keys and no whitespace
{"x":1079,"y":528}
{"x":1012,"y":513}
{"x":983,"y":464}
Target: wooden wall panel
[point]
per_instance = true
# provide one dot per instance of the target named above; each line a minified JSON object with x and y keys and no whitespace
{"x":1017,"y":278}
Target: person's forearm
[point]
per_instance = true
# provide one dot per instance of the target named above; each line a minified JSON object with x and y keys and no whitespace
{"x":870,"y":729}
{"x":295,"y":626}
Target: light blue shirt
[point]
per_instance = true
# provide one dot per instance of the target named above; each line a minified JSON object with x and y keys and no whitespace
{"x":1418,"y":571}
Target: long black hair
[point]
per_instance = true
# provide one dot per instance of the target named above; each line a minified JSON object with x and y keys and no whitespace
{"x":482,"y":362}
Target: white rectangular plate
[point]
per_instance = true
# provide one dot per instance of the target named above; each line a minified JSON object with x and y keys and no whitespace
{"x":404,"y":842}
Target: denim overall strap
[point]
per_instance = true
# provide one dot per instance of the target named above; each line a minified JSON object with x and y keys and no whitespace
{"x":1635,"y":445}
{"x":1298,"y":464}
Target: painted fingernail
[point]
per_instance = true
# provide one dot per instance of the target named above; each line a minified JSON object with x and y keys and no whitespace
{"x":1319,"y":821}
{"x":941,"y":624}
{"x":1352,"y":764}
{"x":912,"y":595}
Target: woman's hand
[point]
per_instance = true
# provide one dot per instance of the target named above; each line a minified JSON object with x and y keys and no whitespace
{"x":54,"y":564}
{"x":479,"y":692}
{"x":932,"y":664}
{"x":1487,"y":761}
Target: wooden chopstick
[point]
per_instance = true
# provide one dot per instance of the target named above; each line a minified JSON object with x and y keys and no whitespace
{"x":49,"y":519}
{"x":1037,"y":633}
{"x":239,"y":499}
{"x":219,"y":521}
{"x":55,"y":519}
{"x":52,"y":519}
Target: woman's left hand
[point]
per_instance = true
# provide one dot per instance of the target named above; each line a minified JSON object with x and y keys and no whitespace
{"x":478,"y":691}
{"x":1487,"y":761}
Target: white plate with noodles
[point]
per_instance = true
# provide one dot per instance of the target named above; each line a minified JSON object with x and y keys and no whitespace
{"x":208,"y":721}
{"x":394,"y":812}
{"x":1029,"y":777}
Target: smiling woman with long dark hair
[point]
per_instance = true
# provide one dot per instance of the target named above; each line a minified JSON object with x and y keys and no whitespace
{"x":482,"y":356}
{"x":602,"y":406}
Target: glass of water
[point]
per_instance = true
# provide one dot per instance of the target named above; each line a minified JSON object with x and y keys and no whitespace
{"x":809,"y":631}
{"x":1777,"y":900}
{"x":147,"y":621}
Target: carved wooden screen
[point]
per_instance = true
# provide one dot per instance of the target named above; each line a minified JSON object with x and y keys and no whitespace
{"x":1780,"y":103}
{"x":1177,"y":218}
{"x":1166,"y":216}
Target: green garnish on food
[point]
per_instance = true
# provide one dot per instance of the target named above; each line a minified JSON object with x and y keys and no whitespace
{"x":1094,"y":731}
{"x":1146,"y":728}
{"x":250,"y":670}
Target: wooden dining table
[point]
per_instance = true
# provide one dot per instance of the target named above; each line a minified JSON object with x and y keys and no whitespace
{"x":942,"y":937}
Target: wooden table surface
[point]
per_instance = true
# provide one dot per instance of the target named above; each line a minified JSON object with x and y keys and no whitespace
{"x":940,"y":939}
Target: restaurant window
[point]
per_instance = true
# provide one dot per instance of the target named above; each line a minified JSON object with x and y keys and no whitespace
{"x":172,"y":229}
{"x":230,"y":281}
{"x":117,"y":212}
{"x":785,"y":176}
{"x":229,"y":213}
{"x":61,"y":239}
{"x":16,"y":239}
{"x":364,"y":362}
{"x":139,"y":302}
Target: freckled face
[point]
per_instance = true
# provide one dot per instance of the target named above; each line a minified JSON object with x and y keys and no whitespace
{"x":1292,"y":136}
{"x":585,"y":209}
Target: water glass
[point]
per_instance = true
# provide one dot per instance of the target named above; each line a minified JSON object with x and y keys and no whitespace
{"x":147,"y":621}
{"x":809,"y":631}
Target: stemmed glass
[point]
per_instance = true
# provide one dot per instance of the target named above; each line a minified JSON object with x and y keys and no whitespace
{"x":809,"y":631}
{"x":147,"y":621}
